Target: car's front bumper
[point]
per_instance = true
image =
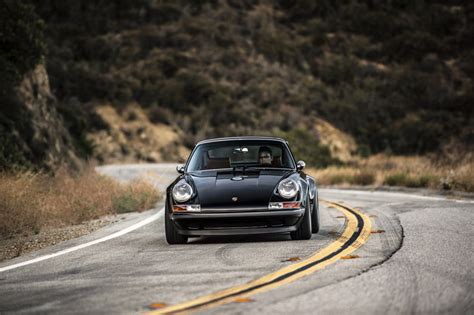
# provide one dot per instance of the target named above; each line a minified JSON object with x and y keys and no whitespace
{"x":237,"y":222}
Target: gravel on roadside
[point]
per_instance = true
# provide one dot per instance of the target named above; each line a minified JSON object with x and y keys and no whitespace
{"x":18,"y":245}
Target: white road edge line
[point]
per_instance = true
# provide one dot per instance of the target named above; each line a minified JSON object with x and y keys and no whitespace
{"x":129,"y":229}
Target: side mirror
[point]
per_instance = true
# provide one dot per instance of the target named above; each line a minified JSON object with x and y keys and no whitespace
{"x":180,"y":168}
{"x":300,"y":165}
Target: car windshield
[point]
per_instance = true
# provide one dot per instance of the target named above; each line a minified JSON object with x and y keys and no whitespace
{"x":246,"y":154}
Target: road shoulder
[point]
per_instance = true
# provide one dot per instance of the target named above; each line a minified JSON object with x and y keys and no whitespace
{"x":54,"y":240}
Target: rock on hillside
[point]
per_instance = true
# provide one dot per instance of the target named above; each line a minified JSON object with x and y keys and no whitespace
{"x":341,"y":145}
{"x":33,"y":132}
{"x":129,"y":136}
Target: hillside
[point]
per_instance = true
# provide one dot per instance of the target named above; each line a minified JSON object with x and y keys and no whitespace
{"x":394,"y":76}
{"x":32,"y":132}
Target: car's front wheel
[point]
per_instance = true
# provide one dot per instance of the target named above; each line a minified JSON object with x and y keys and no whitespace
{"x":172,"y":235}
{"x":304,"y":230}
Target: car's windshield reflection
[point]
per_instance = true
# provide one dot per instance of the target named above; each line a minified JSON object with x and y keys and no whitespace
{"x":240,"y":155}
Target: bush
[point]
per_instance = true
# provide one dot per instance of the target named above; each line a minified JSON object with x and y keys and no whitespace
{"x":158,"y":114}
{"x":402,"y":171}
{"x":411,"y":46}
{"x":21,"y":42}
{"x":343,"y":175}
{"x":337,"y":70}
{"x":364,"y":178}
{"x":378,"y":24}
{"x":305,"y":146}
{"x":412,"y":181}
{"x":418,"y":181}
{"x":374,"y":69}
{"x":30,"y":201}
{"x":162,"y":13}
{"x":396,"y":179}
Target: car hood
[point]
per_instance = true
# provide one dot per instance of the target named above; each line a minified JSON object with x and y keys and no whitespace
{"x":252,"y":189}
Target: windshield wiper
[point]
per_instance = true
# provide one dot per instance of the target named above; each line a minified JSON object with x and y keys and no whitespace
{"x":243,"y":167}
{"x":268,"y":168}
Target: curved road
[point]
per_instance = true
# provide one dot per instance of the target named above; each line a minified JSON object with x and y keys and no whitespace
{"x":418,"y":259}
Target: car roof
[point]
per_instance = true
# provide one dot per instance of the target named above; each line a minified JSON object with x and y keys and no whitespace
{"x":242,"y":138}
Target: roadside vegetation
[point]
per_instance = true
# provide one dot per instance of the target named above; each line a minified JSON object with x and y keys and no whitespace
{"x":145,"y":80}
{"x":30,"y":201}
{"x":402,"y":171}
{"x":395,"y":75}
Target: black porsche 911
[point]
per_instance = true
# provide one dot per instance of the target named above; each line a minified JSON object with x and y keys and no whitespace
{"x":241,"y":185}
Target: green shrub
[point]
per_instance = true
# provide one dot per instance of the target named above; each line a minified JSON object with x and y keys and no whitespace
{"x":413,"y":181}
{"x":305,"y":146}
{"x":158,"y":114}
{"x":377,"y":24}
{"x":411,"y":45}
{"x":162,"y":13}
{"x":395,"y":75}
{"x":336,"y":70}
{"x":363,"y":178}
{"x":129,"y":200}
{"x":125,"y":203}
{"x":337,"y":178}
{"x":21,"y":42}
{"x":417,"y":181}
{"x":396,"y":179}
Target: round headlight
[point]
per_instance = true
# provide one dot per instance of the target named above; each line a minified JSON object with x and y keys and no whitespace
{"x":182,"y":192}
{"x":288,"y":188}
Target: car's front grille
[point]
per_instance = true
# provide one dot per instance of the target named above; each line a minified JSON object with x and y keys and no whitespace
{"x":233,"y":209}
{"x":237,"y":223}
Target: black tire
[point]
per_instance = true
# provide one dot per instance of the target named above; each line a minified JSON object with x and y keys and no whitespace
{"x":172,"y":235}
{"x":304,"y":230}
{"x":315,"y":216}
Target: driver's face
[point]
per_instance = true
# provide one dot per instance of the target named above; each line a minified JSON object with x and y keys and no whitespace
{"x":265,"y":158}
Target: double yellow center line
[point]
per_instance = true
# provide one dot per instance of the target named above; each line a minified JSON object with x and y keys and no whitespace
{"x":355,"y":235}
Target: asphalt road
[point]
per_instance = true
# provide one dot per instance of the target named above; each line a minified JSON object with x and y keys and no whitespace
{"x":420,"y":261}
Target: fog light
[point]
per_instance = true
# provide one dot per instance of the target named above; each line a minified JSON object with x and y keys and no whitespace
{"x":284,"y":205}
{"x":187,"y":208}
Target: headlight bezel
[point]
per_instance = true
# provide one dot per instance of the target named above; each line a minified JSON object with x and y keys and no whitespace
{"x":285,"y":194}
{"x":182,"y":198}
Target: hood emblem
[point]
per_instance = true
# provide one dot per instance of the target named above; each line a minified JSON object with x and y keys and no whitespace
{"x":234,"y":199}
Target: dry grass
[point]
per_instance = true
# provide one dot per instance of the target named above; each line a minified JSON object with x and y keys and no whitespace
{"x":402,"y":171}
{"x":30,"y":201}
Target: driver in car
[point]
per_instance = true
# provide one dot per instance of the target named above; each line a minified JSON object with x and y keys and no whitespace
{"x":265,"y":156}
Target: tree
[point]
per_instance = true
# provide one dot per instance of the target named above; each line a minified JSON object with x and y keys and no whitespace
{"x":21,"y":42}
